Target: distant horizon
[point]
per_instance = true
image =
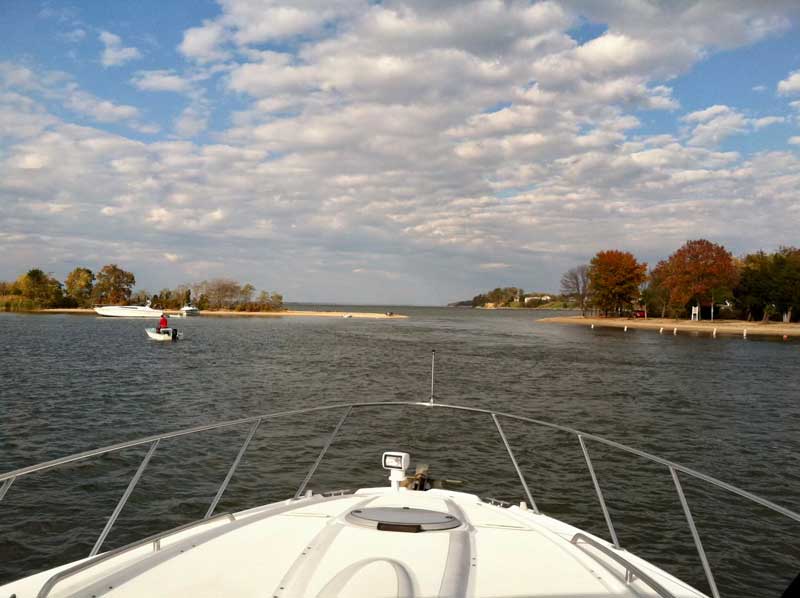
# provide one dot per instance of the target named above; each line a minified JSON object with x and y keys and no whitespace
{"x":402,"y":152}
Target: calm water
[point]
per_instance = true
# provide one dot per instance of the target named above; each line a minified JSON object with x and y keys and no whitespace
{"x":728,"y":407}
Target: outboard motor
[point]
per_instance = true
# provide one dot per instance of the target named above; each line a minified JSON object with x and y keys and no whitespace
{"x":174,"y":334}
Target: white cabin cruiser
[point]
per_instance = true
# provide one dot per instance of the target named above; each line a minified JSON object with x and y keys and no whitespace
{"x":410,"y":539}
{"x":129,"y":311}
{"x":189,"y":310}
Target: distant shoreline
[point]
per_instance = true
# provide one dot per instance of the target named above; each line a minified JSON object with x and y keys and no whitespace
{"x":224,"y":313}
{"x":670,"y":326}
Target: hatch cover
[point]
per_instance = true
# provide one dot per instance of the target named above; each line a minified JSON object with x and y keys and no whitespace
{"x":403,"y":519}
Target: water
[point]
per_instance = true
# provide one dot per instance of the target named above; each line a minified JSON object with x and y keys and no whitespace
{"x":727,"y":407}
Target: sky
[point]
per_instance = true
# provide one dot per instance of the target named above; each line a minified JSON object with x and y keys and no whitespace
{"x":408,"y":152}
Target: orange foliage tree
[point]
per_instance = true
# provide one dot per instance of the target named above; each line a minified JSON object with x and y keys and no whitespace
{"x":700,"y":271}
{"x":614,"y":280}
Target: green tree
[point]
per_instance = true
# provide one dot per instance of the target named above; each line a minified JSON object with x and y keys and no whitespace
{"x":40,"y":288}
{"x":655,"y":295}
{"x":79,"y":285}
{"x":114,"y":285}
{"x":786,"y":269}
{"x":246,"y":293}
{"x":770,"y":284}
{"x":614,"y":280}
{"x":499,"y":297}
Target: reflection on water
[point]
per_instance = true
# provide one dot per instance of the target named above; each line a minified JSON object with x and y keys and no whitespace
{"x":728,"y":407}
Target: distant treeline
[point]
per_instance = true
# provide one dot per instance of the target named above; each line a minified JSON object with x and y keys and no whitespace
{"x":112,"y":285}
{"x":757,"y":286}
{"x":515,"y":297}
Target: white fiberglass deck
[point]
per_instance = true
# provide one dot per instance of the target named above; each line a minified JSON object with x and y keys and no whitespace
{"x":309,"y":547}
{"x":316,"y":546}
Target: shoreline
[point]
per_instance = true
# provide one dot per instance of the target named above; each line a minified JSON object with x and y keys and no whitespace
{"x":727,"y":327}
{"x":224,"y":313}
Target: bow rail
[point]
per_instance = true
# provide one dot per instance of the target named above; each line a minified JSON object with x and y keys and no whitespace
{"x":8,"y":478}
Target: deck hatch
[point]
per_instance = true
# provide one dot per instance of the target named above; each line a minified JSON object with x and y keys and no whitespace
{"x":403,"y":519}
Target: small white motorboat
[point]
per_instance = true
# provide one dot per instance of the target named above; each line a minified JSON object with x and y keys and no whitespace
{"x":129,"y":311}
{"x":190,"y":310}
{"x":166,"y":334}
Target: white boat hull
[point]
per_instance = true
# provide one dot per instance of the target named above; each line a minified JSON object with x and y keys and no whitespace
{"x":317,"y":548}
{"x":128,"y":311}
{"x":164,"y":335}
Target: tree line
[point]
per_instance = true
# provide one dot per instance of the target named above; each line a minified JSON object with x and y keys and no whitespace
{"x":112,"y":285}
{"x":758,"y":286}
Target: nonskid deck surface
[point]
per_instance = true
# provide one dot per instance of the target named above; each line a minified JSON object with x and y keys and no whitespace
{"x":312,"y":547}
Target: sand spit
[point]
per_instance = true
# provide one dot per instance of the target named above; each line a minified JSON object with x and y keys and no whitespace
{"x":728,"y":327}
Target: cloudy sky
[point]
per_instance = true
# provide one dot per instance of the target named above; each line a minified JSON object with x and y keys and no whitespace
{"x":392,"y":152}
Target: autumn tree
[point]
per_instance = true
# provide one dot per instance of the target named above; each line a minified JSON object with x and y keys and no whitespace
{"x":114,"y":285}
{"x":700,"y":272}
{"x":575,"y":284}
{"x":79,"y":285}
{"x":614,"y":280}
{"x":40,"y":288}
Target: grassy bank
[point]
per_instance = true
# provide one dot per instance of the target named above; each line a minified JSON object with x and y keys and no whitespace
{"x":729,"y":327}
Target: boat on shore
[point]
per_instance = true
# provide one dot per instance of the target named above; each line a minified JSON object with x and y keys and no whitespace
{"x":128,"y":311}
{"x":412,"y":538}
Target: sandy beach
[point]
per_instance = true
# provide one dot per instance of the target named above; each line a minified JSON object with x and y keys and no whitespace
{"x":254,"y":314}
{"x":728,"y":327}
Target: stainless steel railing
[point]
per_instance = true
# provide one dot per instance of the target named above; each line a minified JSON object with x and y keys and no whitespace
{"x":674,"y":469}
{"x":632,"y":571}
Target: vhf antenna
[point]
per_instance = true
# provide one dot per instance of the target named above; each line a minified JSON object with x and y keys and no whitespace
{"x":433,"y":368}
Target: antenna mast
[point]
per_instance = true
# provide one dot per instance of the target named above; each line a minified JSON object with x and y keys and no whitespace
{"x":433,"y":369}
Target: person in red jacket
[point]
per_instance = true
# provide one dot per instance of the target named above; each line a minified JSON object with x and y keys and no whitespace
{"x":162,"y":323}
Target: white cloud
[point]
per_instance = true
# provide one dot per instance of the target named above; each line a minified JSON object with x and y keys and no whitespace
{"x":707,"y":114}
{"x":795,"y":140}
{"x":760,"y":123}
{"x":790,"y":85}
{"x":160,"y":80}
{"x":192,"y":121}
{"x":100,"y":110}
{"x":413,"y":149}
{"x":715,"y":123}
{"x":759,"y":88}
{"x":114,"y":53}
{"x":203,"y":43}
